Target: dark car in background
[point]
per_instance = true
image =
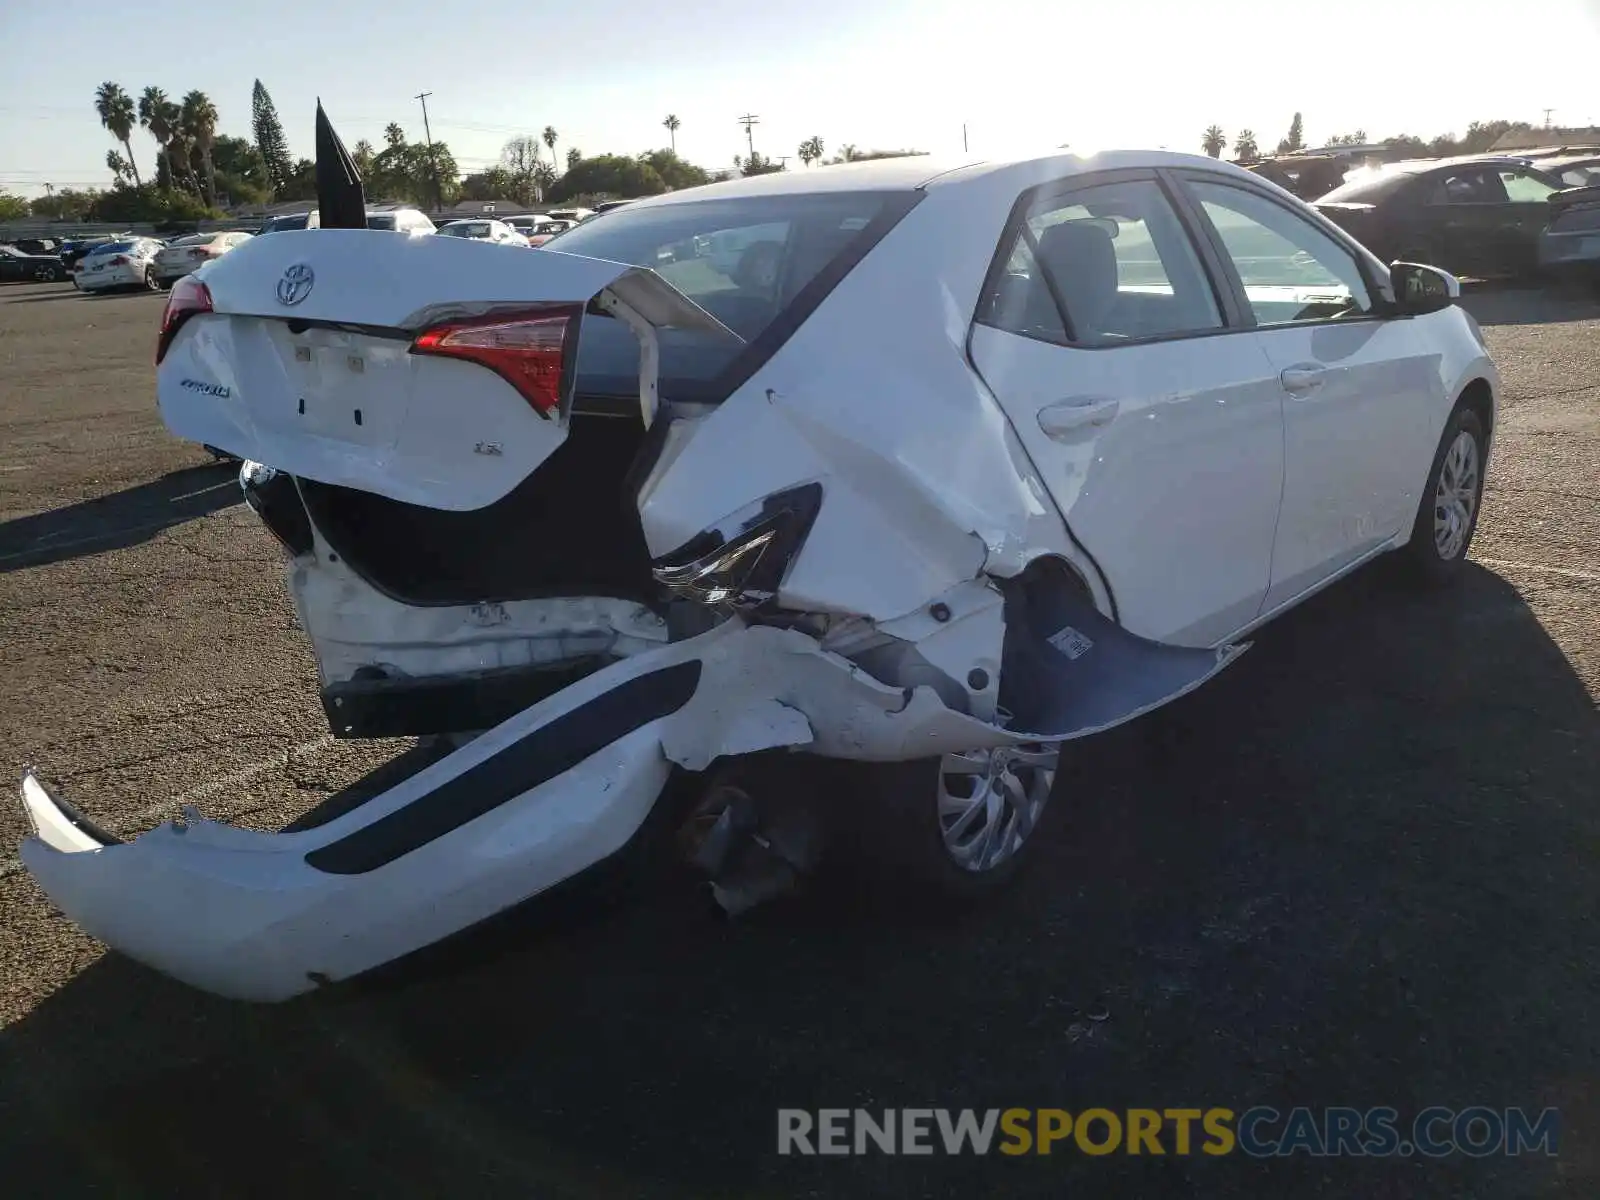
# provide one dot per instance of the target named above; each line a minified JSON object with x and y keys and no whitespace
{"x":19,"y":266}
{"x":76,"y":250}
{"x":1478,"y":217}
{"x":1307,"y":176}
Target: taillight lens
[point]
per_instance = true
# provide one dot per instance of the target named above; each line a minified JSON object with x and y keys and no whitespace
{"x":741,"y":561}
{"x":119,"y":260}
{"x":201,"y":252}
{"x":529,"y":349}
{"x":188,"y":296}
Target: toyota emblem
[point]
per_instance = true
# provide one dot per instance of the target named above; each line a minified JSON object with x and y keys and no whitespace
{"x":296,"y":284}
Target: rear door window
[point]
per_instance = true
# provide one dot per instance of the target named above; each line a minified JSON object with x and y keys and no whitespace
{"x":1524,"y":188}
{"x":1101,"y":265}
{"x":1474,"y":185}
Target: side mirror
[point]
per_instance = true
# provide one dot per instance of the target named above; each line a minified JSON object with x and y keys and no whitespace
{"x":1419,"y":289}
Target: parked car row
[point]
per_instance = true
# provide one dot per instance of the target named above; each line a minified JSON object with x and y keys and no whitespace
{"x":1481,"y":216}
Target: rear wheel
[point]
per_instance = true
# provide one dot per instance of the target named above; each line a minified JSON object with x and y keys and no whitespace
{"x":151,"y":283}
{"x":1447,"y":515}
{"x":962,"y":827}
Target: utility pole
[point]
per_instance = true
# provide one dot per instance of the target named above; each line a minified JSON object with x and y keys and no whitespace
{"x":1547,"y":113}
{"x":749,"y":121}
{"x":963,"y":137}
{"x":433,"y":164}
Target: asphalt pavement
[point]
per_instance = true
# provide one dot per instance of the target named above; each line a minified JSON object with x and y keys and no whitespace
{"x":1360,"y":868}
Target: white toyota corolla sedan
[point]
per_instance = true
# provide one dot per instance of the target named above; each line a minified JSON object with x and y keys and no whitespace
{"x":950,"y":465}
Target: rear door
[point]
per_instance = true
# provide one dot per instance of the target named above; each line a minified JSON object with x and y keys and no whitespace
{"x":1474,"y":222}
{"x":313,"y":359}
{"x":1528,"y":212}
{"x":1151,"y":413}
{"x":1358,"y":390}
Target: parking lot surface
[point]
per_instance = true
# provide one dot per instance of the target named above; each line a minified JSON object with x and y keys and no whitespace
{"x":1361,"y":868}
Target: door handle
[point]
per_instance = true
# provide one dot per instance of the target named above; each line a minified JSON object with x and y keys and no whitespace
{"x":1297,"y":381}
{"x":1067,"y":417}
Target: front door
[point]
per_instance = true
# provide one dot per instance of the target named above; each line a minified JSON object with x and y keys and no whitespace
{"x":1156,"y":425}
{"x":1358,"y":390}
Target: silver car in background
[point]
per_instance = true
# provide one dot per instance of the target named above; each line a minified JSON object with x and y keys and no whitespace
{"x":186,"y":254}
{"x":124,"y":264}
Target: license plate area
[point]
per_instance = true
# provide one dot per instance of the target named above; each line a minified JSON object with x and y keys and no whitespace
{"x":334,"y":384}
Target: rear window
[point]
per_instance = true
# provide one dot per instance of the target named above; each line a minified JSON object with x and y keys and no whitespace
{"x":1368,"y":187}
{"x":278,"y":224}
{"x":470,"y":229}
{"x":113,"y":248}
{"x":745,"y":260}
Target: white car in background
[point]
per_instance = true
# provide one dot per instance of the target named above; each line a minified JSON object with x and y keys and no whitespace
{"x":186,"y":254}
{"x":479,"y":229}
{"x":960,"y":462}
{"x":126,"y":264}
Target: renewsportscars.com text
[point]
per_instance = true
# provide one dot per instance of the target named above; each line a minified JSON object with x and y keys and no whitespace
{"x":1259,"y":1132}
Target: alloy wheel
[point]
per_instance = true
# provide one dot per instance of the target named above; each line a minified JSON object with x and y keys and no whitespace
{"x":990,"y":801}
{"x":1455,"y":498}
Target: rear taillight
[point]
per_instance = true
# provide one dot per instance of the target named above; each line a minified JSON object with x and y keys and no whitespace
{"x":188,"y":296}
{"x":118,"y":260}
{"x":528,"y":349}
{"x":201,"y":252}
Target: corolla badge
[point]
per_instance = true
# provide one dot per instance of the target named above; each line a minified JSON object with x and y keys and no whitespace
{"x":296,"y":283}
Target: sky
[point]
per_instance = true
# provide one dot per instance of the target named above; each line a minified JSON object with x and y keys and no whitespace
{"x":1018,"y":74}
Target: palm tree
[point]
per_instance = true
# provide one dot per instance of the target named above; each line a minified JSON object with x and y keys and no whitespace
{"x":672,"y":124}
{"x":199,"y":120}
{"x":811,"y":150}
{"x":1215,"y":141}
{"x":156,"y":115}
{"x":117,"y":114}
{"x":1245,"y":149}
{"x":848,"y":152}
{"x":549,"y":136}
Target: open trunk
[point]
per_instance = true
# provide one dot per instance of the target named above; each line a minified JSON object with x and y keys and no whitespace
{"x":567,"y":529}
{"x":462,"y":535}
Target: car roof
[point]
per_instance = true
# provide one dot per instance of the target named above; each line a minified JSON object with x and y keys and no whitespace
{"x":914,"y":172}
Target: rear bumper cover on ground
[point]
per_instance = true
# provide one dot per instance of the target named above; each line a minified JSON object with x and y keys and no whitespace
{"x":534,"y":801}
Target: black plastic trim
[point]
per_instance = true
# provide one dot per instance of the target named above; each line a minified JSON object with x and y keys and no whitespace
{"x":384,"y":708}
{"x":539,"y":756}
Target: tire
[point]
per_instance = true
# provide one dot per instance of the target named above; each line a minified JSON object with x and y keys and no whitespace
{"x":151,"y":283}
{"x":1447,"y":512}
{"x":916,"y":821}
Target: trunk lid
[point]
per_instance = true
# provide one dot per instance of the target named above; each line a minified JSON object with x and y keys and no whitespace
{"x":309,"y":360}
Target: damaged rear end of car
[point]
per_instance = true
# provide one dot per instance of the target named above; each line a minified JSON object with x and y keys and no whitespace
{"x":643,"y":505}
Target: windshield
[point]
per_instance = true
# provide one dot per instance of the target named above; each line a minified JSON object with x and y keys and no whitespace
{"x":744,"y":260}
{"x":468,"y":229}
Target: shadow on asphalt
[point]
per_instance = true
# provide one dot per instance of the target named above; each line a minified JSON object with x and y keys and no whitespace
{"x":1518,"y":304}
{"x":119,"y":520}
{"x":40,"y":297}
{"x":1357,"y":868}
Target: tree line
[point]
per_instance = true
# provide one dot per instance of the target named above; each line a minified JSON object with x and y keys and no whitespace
{"x":200,"y":172}
{"x":1479,"y":138}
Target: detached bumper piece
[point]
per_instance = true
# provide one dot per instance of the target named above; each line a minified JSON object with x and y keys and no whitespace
{"x":264,"y":917}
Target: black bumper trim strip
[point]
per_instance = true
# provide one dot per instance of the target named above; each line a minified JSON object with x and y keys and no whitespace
{"x":536,"y":758}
